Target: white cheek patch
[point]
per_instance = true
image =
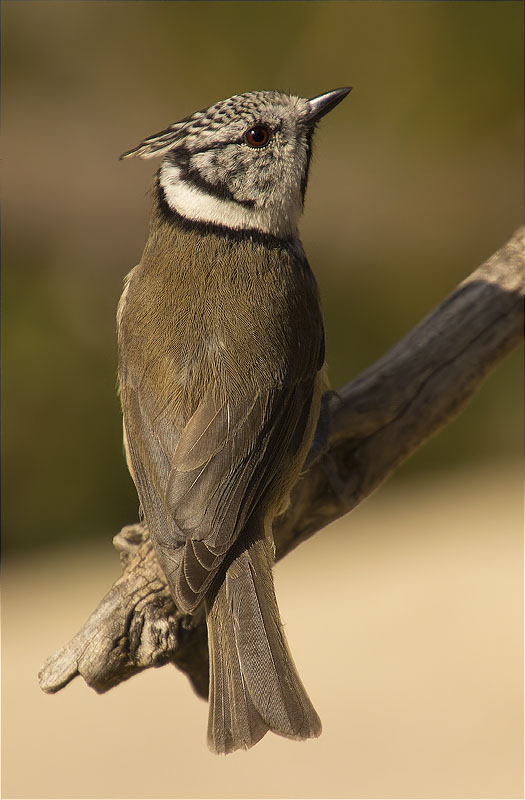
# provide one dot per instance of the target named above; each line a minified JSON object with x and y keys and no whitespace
{"x":194,"y":203}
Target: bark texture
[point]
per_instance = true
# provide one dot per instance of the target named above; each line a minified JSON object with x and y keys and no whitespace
{"x":368,"y":428}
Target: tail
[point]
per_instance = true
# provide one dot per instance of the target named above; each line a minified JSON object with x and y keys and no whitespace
{"x":254,"y":685}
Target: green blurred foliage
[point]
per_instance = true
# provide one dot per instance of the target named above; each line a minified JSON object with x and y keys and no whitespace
{"x":417,"y":178}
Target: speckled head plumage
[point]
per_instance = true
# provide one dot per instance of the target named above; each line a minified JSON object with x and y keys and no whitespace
{"x":242,"y":163}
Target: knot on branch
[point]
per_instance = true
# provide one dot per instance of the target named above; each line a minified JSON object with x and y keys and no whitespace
{"x":136,"y":626}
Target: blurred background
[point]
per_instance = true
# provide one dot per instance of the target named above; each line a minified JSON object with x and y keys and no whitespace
{"x":417,"y":178}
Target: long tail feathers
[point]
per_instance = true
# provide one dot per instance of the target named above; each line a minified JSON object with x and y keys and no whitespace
{"x":254,"y":685}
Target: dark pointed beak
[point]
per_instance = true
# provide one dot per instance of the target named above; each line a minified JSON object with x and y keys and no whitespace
{"x":323,"y":103}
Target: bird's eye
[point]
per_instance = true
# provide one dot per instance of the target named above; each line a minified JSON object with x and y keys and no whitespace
{"x":257,"y":136}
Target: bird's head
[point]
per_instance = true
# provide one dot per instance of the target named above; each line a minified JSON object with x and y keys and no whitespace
{"x":241,"y":163}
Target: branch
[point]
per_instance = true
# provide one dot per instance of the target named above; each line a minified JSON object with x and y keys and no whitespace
{"x":373,"y":424}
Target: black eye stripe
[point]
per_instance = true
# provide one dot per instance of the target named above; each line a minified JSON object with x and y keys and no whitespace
{"x":181,"y":159}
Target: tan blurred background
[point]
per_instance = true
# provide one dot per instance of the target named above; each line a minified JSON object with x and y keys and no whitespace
{"x":417,"y":178}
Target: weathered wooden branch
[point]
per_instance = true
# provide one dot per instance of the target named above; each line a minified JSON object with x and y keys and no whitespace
{"x":374,"y":423}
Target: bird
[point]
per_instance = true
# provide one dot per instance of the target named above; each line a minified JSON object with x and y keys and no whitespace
{"x":221,"y":370}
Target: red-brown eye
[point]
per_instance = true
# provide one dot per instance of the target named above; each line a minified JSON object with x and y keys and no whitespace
{"x":257,"y":136}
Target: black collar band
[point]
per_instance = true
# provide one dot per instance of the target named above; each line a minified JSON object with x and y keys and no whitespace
{"x":233,"y":234}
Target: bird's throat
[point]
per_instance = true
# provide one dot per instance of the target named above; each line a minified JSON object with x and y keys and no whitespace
{"x":194,"y":203}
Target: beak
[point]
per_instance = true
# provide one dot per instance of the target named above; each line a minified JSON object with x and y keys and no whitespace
{"x":323,"y":103}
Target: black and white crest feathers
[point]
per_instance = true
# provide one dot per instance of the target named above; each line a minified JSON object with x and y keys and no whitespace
{"x":212,"y":173}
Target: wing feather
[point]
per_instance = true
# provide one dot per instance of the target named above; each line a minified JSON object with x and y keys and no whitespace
{"x":226,"y":462}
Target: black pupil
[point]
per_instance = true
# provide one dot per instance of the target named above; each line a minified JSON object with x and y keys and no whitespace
{"x":258,"y":135}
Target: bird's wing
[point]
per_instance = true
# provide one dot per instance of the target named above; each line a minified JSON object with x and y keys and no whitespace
{"x":199,"y":488}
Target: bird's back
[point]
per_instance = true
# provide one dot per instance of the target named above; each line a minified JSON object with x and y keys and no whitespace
{"x":199,"y":311}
